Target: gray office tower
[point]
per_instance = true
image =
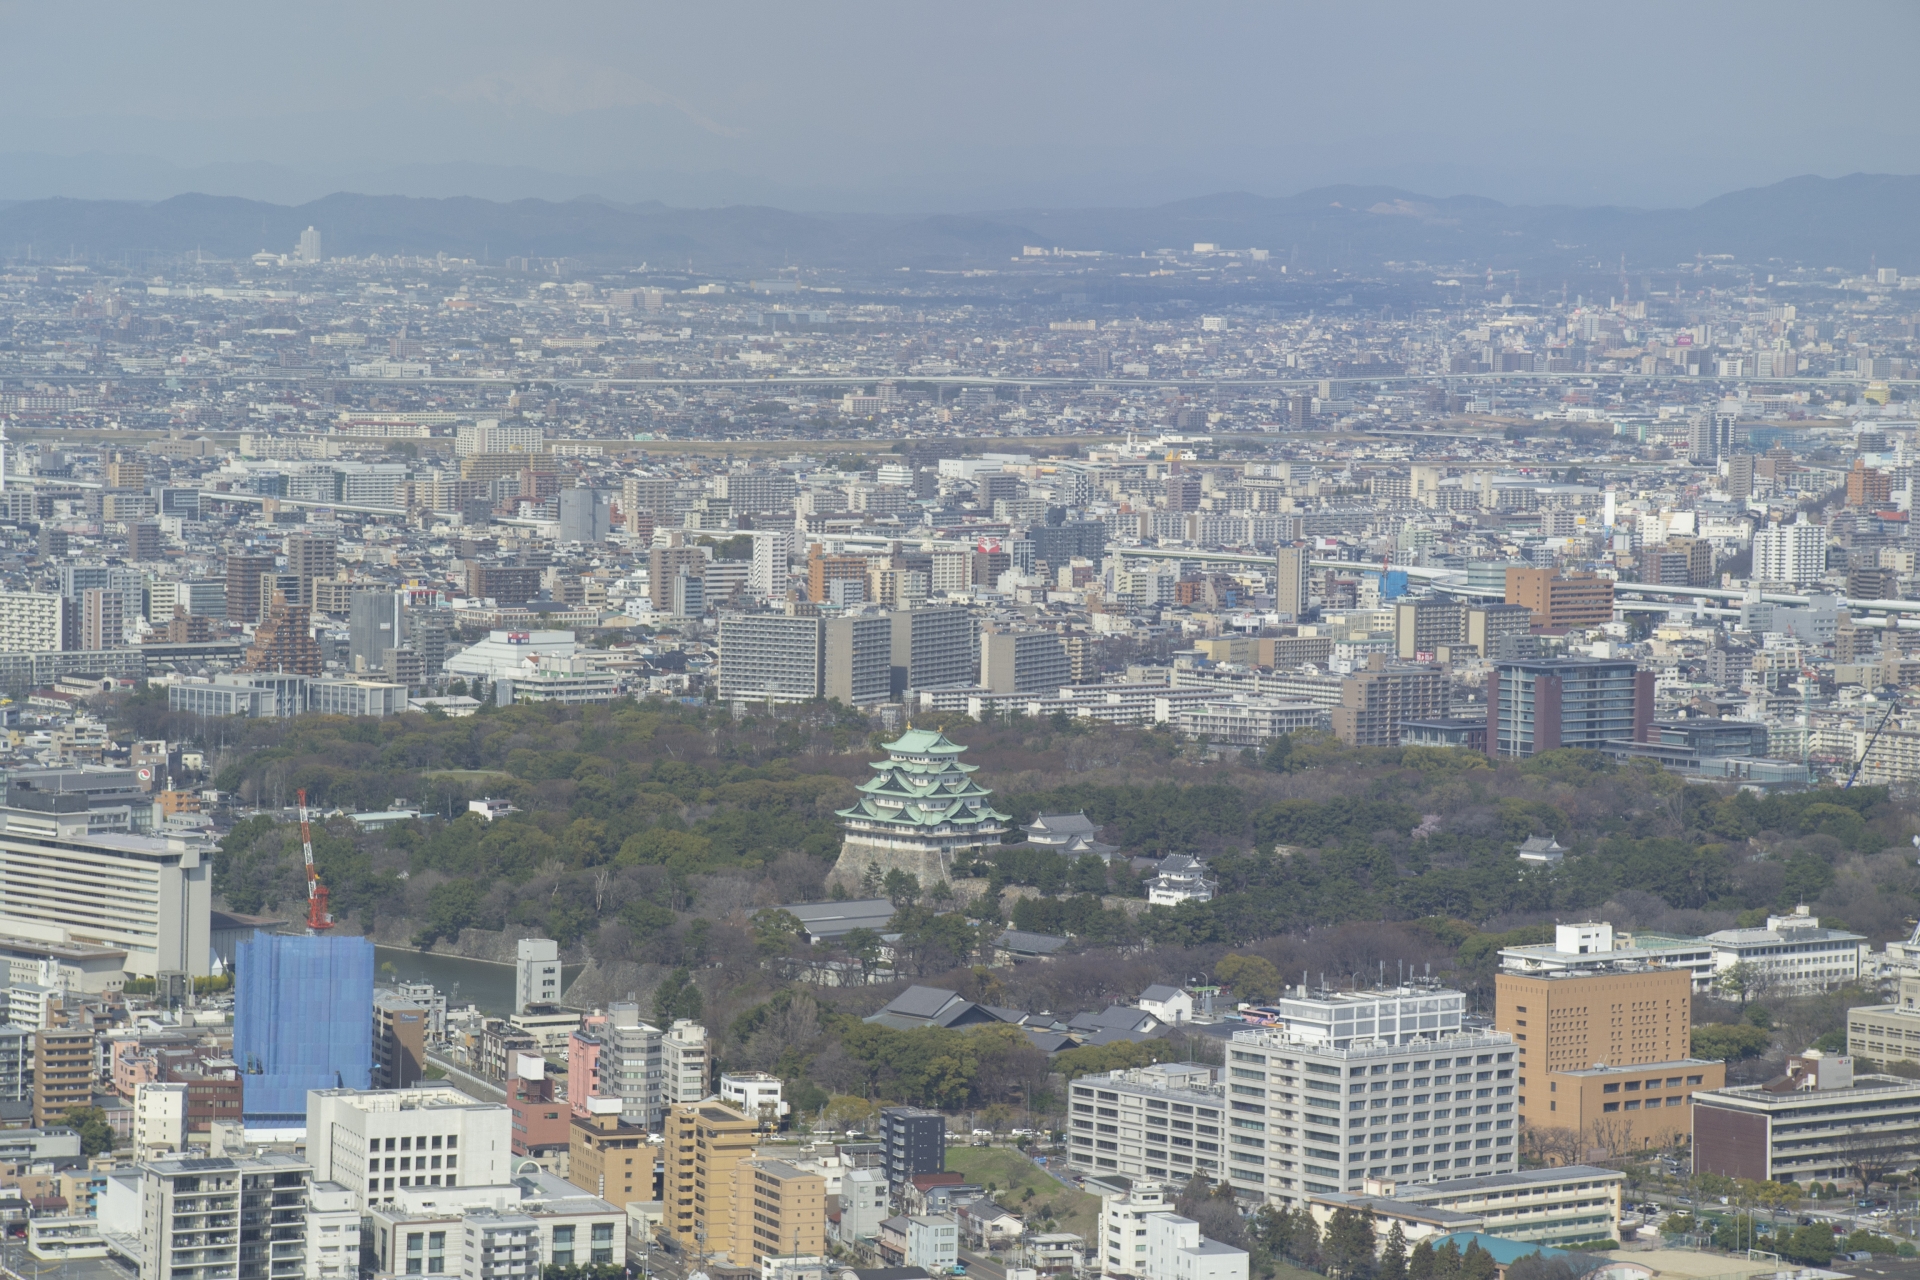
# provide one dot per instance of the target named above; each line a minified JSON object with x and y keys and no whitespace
{"x":430,"y":632}
{"x":377,"y":623}
{"x":586,"y":515}
{"x":858,"y":655}
{"x":911,"y":1141}
{"x":932,"y":648}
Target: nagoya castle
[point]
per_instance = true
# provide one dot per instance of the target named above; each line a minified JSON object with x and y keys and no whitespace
{"x":920,"y":806}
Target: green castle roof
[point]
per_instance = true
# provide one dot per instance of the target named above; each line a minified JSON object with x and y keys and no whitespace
{"x":921,"y":742}
{"x":923,"y":792}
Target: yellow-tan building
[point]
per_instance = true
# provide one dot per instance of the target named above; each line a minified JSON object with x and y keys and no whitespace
{"x":1609,"y":1044}
{"x":1617,"y":1014}
{"x":776,"y":1209}
{"x":705,"y":1144}
{"x":1887,"y":1032}
{"x":1649,"y":1105}
{"x":609,"y":1158}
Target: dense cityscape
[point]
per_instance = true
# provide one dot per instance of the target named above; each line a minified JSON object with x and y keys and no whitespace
{"x":1307,"y":731}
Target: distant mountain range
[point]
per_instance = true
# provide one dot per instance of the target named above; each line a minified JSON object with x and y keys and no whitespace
{"x":1849,"y":222}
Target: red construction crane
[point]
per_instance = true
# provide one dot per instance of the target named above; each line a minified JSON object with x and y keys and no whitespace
{"x":317,"y":915}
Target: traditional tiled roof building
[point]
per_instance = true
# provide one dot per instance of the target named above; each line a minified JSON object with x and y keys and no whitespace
{"x":920,"y":807}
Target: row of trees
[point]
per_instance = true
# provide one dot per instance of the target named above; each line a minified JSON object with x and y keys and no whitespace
{"x":1351,"y":1247}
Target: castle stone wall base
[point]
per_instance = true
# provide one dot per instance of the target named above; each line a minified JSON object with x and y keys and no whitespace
{"x":857,"y":856}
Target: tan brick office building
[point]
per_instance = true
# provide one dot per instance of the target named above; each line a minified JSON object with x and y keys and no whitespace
{"x":1608,"y":1045}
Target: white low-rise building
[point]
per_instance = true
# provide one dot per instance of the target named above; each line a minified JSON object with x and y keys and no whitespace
{"x":1240,"y":721}
{"x":375,"y":1142}
{"x":1177,"y":1251}
{"x":1593,"y":944}
{"x":863,"y":1204}
{"x":1122,"y":1248}
{"x":1171,"y":1005}
{"x":61,"y":1239}
{"x":536,"y":1217}
{"x":499,"y":656}
{"x":755,"y":1094}
{"x":933,"y":1243}
{"x":333,"y":1233}
{"x":571,"y":679}
{"x":1793,"y":955}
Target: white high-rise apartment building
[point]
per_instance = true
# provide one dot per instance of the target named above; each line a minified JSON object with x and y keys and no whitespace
{"x":309,"y":250}
{"x":536,"y":973}
{"x":683,"y":1062}
{"x":630,"y":1066}
{"x":1794,"y":552}
{"x":30,"y":622}
{"x":772,"y":562}
{"x":952,"y":571}
{"x":159,"y":1117}
{"x":376,"y":1141}
{"x":649,"y":1069}
{"x":770,"y":657}
{"x":1349,"y":1086}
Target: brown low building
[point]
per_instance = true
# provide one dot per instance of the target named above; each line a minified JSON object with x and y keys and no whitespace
{"x":543,"y":1125}
{"x":213,"y":1093}
{"x":1557,"y":601}
{"x":500,"y":1040}
{"x":1650,"y":1105}
{"x":63,"y":1072}
{"x":399,"y":1042}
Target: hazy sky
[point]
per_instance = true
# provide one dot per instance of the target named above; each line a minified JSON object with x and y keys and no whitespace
{"x":950,"y":107}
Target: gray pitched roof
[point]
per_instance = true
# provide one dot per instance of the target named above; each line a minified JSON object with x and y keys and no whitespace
{"x":830,"y":920}
{"x":1063,"y":824}
{"x":1115,"y":1017}
{"x":1159,"y":991}
{"x":922,"y":1002}
{"x":1041,"y":944}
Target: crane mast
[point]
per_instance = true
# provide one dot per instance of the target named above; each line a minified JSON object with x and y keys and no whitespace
{"x":317,"y":915}
{"x":1868,"y":749}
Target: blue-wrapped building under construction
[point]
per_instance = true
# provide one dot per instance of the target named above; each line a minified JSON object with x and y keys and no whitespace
{"x":302,"y":1019}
